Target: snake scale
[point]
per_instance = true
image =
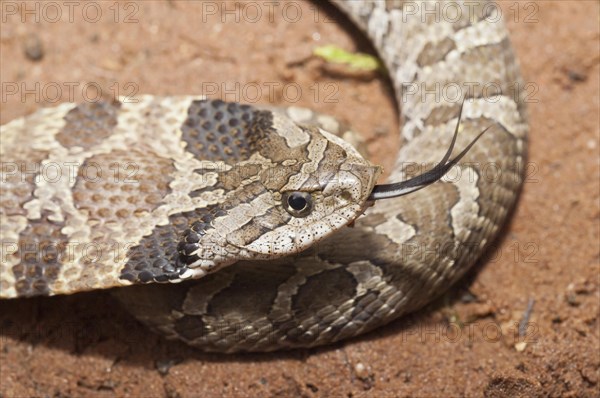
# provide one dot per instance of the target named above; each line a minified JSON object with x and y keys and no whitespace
{"x":268,"y":221}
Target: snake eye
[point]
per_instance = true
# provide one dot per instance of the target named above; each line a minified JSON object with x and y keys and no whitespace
{"x":298,"y":204}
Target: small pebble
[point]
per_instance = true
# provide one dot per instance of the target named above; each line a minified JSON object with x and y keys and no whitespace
{"x":576,"y":75}
{"x":520,"y":346}
{"x":591,"y":144}
{"x":163,"y":366}
{"x":361,"y":371}
{"x":34,"y":50}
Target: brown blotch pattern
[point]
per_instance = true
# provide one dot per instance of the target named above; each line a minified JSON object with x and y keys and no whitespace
{"x":88,"y":124}
{"x":335,"y":287}
{"x":252,"y":291}
{"x":230,"y":180}
{"x":41,"y":249}
{"x":429,"y":250}
{"x":266,"y":141}
{"x":18,"y":181}
{"x":435,"y":52}
{"x":394,"y":4}
{"x":336,"y":250}
{"x":442,"y":114}
{"x":488,"y":64}
{"x":122,"y":185}
{"x":328,"y":170}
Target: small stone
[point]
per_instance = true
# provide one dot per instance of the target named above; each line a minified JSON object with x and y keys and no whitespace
{"x":468,"y":297}
{"x":576,"y":75}
{"x":361,"y":371}
{"x":111,"y":64}
{"x":34,"y":50}
{"x":163,"y":366}
{"x":571,"y":296}
{"x":520,"y":346}
{"x":312,"y":387}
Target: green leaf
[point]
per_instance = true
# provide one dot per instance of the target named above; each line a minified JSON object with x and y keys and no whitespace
{"x":336,"y":55}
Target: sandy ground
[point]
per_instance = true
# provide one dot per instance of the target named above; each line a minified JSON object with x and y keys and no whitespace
{"x":548,"y":257}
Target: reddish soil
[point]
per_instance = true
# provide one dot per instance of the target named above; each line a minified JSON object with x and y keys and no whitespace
{"x":87,"y":345}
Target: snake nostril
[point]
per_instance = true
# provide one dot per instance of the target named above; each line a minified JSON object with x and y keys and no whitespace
{"x":346,"y":195}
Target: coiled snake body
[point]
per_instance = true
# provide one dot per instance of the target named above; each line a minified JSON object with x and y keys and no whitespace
{"x":251,"y":208}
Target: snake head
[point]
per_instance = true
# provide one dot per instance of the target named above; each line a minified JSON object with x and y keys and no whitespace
{"x":298,"y":185}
